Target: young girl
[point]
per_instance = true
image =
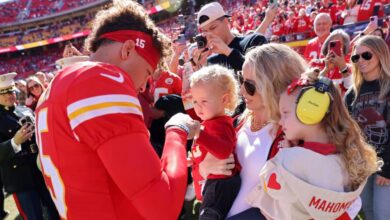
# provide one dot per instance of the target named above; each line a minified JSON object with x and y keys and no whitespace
{"x":322,"y":177}
{"x":215,"y":94}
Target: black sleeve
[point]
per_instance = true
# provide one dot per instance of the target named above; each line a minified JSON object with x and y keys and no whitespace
{"x":254,"y":40}
{"x":348,"y":99}
{"x":6,"y":150}
{"x":236,"y":59}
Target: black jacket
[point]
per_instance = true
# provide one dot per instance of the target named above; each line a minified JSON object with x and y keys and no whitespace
{"x":19,"y":171}
{"x":240,"y":46}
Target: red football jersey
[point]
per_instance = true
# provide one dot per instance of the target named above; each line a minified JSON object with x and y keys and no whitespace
{"x":278,"y":28}
{"x":167,"y":83}
{"x":313,"y":49}
{"x":95,"y":152}
{"x":302,"y":24}
{"x":366,"y":9}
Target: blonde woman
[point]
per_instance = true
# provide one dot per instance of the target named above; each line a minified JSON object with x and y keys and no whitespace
{"x":325,"y":169}
{"x":267,"y":71}
{"x":368,"y":103}
{"x":215,"y":97}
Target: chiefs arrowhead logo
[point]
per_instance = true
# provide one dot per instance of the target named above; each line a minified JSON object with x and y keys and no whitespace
{"x":272,"y":183}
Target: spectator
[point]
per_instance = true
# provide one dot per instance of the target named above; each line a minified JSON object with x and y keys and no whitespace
{"x":229,"y":50}
{"x":322,"y":25}
{"x":335,"y":63}
{"x":18,"y":156}
{"x":368,"y":104}
{"x":34,"y":91}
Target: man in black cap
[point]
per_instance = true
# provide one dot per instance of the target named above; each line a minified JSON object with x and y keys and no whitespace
{"x":18,"y":155}
{"x":228,"y":50}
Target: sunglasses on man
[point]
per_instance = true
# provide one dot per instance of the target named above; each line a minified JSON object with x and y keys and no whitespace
{"x":249,"y":86}
{"x":366,"y":56}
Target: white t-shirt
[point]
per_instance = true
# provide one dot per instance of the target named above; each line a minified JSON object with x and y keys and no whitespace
{"x":252,"y":151}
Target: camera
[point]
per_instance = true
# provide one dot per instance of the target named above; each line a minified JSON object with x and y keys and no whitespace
{"x":27,"y":120}
{"x":201,"y":41}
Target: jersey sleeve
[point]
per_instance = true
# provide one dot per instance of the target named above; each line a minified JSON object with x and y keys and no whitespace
{"x":218,"y":137}
{"x":150,"y":184}
{"x":102,"y":104}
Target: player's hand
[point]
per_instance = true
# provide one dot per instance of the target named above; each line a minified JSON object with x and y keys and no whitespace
{"x":213,"y":165}
{"x":382,"y":181}
{"x":217,"y":45}
{"x":182,"y":120}
{"x":23,"y":134}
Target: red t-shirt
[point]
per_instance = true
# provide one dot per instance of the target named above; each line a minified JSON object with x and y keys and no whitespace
{"x":313,"y":49}
{"x":302,"y":24}
{"x":218,"y":137}
{"x":277,"y":28}
{"x":366,"y":9}
{"x":95,"y":152}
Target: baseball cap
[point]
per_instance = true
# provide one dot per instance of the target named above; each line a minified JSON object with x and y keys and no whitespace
{"x":209,"y":13}
{"x":7,"y":83}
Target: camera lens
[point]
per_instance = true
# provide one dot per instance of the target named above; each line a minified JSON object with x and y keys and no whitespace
{"x":201,"y":41}
{"x":332,"y":44}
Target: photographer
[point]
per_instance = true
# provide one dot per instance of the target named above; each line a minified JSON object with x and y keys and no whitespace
{"x":18,"y":155}
{"x":225,"y":48}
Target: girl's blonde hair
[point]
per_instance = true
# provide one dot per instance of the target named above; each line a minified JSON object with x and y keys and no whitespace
{"x":274,"y":67}
{"x":360,"y":158}
{"x":221,"y":77}
{"x":379,"y":48}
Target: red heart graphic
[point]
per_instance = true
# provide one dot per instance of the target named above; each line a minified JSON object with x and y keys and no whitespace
{"x":272,"y":183}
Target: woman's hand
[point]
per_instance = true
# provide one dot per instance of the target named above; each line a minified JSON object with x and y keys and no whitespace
{"x":212,"y":165}
{"x":336,"y":60}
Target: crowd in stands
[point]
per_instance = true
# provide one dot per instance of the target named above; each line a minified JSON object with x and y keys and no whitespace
{"x":294,"y":21}
{"x":19,"y":10}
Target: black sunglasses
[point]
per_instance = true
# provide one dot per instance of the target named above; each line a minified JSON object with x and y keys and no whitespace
{"x":366,"y":55}
{"x":250,"y":88}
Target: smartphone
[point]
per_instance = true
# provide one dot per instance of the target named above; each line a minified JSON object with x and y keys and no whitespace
{"x":335,"y":46}
{"x":375,"y":12}
{"x":374,"y":19}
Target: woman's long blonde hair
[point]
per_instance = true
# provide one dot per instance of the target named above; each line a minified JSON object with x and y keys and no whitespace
{"x":379,"y":48}
{"x":274,"y":67}
{"x":360,"y":158}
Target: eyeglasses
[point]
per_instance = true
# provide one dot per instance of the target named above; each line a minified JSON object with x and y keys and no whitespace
{"x":35,"y":86}
{"x":249,"y":86}
{"x":366,"y":55}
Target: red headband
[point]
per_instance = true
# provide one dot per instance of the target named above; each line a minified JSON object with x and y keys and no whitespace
{"x":143,"y":44}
